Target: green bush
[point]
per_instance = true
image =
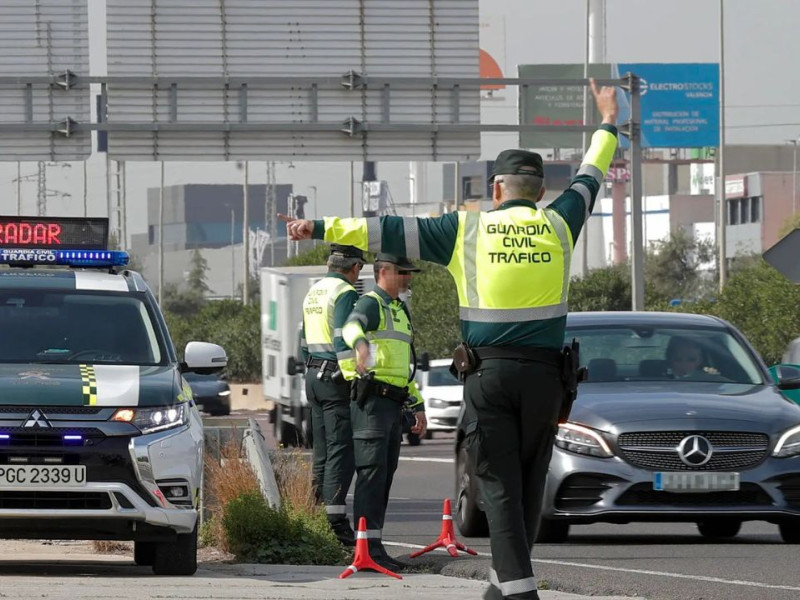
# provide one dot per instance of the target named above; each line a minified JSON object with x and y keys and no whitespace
{"x":259,"y":533}
{"x":235,"y":327}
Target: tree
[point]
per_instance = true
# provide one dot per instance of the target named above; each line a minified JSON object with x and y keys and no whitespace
{"x":434,"y":311}
{"x":763,"y":304}
{"x":674,"y":267}
{"x":196,"y":280}
{"x":180,"y":300}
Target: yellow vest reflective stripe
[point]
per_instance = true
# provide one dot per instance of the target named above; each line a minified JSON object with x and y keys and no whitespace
{"x":318,"y":309}
{"x":391,"y":344}
{"x":523,"y":256}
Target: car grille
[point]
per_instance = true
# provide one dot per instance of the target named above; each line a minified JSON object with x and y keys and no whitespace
{"x":657,"y":450}
{"x":643,"y":494}
{"x":54,"y":500}
{"x":582,"y":491}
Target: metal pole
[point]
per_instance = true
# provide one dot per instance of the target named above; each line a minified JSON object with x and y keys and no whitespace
{"x":313,"y":188}
{"x":457,"y":185}
{"x":19,"y":188}
{"x":124,"y":209}
{"x":352,"y":192}
{"x":233,"y":261}
{"x":722,"y":201}
{"x":160,"y":235}
{"x":637,"y":250}
{"x":584,"y":239}
{"x":85,"y":191}
{"x":245,"y":239}
{"x":794,"y":178}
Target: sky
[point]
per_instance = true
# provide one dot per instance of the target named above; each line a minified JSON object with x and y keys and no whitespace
{"x":762,"y":92}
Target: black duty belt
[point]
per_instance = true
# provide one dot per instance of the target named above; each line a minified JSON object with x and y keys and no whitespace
{"x":392,"y":392}
{"x":542,"y":355}
{"x":324,"y":364}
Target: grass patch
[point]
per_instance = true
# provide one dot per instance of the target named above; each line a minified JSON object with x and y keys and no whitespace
{"x":111,"y":547}
{"x":244,"y":524}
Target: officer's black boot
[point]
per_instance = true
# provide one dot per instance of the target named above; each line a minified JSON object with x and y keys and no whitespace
{"x":344,"y":532}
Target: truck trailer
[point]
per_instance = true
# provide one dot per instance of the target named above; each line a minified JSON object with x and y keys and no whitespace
{"x":282,"y":292}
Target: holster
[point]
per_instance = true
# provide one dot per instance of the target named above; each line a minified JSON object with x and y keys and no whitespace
{"x":361,"y":388}
{"x":571,"y":375}
{"x":464,"y":361}
{"x":409,"y":420}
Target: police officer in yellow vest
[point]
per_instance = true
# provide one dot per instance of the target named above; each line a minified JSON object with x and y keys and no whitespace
{"x":331,"y":366}
{"x":380,"y":331}
{"x":511,"y":269}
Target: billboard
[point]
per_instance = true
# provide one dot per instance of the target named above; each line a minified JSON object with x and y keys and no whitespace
{"x":680,"y":103}
{"x":39,"y":102}
{"x":270,"y":80}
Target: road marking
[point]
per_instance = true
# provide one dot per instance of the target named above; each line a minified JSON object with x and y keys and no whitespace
{"x":427,"y":459}
{"x":564,"y":563}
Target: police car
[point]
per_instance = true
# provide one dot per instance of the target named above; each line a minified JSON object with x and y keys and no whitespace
{"x":100,"y":438}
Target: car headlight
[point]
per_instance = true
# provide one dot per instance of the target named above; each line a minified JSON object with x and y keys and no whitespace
{"x":582,"y":440}
{"x":150,"y":420}
{"x":788,"y":444}
{"x":224,"y":393}
{"x":437,"y":403}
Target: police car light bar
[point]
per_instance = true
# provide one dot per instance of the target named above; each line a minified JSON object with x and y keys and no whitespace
{"x":30,"y":257}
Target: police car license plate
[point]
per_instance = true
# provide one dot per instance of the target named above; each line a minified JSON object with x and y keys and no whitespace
{"x":695,"y":482}
{"x":42,"y":475}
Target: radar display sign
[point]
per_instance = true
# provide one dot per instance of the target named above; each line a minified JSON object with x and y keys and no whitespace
{"x":54,"y":233}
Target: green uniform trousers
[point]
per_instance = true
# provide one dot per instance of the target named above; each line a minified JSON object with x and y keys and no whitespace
{"x":376,"y":439}
{"x":333,"y":466}
{"x":511,"y":417}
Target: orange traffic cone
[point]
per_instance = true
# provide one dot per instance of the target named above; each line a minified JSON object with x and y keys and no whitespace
{"x":447,"y":539}
{"x":362,"y":559}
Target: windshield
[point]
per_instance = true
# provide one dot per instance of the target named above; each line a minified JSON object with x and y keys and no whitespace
{"x":619,"y":353}
{"x":439,"y":376}
{"x":76,"y":327}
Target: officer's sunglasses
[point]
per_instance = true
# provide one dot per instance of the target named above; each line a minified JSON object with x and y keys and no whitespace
{"x":404,"y":272}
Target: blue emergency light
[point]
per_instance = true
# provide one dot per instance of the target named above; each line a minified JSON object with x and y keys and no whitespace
{"x":30,"y":257}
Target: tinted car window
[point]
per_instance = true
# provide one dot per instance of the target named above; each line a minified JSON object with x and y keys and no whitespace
{"x":438,"y":376}
{"x":620,"y":353}
{"x":76,"y":327}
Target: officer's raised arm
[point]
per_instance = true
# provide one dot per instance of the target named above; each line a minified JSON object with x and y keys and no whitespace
{"x":577,"y":202}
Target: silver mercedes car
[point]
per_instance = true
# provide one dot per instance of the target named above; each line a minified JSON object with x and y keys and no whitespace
{"x":680,"y":420}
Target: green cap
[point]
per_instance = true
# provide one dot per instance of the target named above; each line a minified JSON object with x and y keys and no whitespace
{"x":517,"y":162}
{"x":400,"y":261}
{"x":347,"y":251}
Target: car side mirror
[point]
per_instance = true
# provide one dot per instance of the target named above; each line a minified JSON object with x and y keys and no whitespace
{"x":787,"y":377}
{"x":294,"y":366}
{"x":204,"y":358}
{"x":424,"y":362}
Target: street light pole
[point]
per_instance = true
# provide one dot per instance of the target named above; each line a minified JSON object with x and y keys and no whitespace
{"x":313,"y":188}
{"x":233,"y":261}
{"x":721,"y":195}
{"x":794,"y":177}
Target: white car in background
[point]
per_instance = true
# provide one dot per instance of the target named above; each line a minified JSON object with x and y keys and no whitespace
{"x":443,"y":394}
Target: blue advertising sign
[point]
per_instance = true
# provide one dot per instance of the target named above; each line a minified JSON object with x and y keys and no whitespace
{"x":680,"y":103}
